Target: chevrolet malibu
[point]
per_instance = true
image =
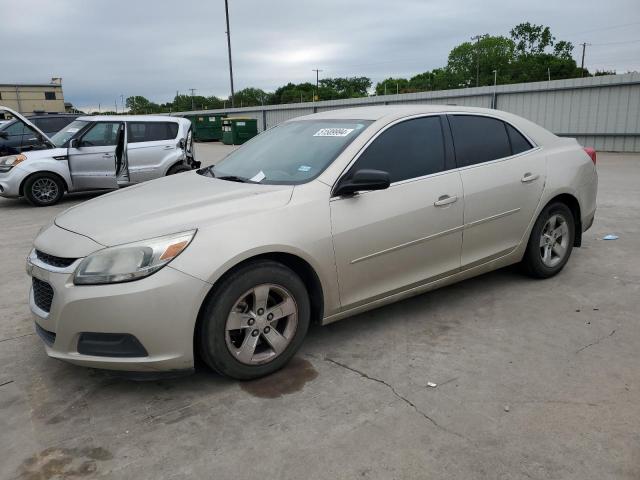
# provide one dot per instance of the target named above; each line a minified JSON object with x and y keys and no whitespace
{"x":317,"y":219}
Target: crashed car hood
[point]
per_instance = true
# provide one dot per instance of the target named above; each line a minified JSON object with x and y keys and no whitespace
{"x":169,"y":205}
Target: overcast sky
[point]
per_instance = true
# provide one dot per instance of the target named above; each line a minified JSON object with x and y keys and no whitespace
{"x":103,"y":49}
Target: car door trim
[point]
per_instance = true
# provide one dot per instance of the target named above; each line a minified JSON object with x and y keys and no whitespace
{"x":409,"y":244}
{"x":491,"y":218}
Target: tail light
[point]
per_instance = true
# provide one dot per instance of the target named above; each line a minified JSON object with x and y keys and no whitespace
{"x":592,"y":153}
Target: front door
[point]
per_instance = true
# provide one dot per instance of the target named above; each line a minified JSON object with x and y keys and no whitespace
{"x":391,"y":240}
{"x":503,"y":176}
{"x":93,"y":162}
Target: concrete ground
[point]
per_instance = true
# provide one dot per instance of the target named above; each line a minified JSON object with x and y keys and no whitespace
{"x":535,"y":379}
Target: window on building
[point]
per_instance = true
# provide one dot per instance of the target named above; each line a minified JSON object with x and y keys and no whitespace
{"x":49,"y":95}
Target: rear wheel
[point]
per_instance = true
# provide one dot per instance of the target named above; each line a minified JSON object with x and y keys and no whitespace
{"x":551,"y":241}
{"x":43,"y":189}
{"x":255,"y":321}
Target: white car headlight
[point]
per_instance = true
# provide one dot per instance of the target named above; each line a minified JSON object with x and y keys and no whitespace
{"x":10,"y":161}
{"x":131,"y":261}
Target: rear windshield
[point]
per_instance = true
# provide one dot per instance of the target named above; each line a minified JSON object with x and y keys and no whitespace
{"x":291,"y":153}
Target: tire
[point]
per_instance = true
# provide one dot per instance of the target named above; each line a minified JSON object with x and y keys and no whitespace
{"x":250,"y":351}
{"x":43,"y":189}
{"x":178,"y":168}
{"x":551,"y":241}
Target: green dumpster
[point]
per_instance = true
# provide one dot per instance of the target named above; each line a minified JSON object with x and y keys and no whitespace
{"x":206,"y":126}
{"x":237,"y":130}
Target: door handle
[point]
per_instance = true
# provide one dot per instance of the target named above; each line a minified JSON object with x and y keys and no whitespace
{"x":168,"y":147}
{"x":445,"y":200}
{"x":107,"y":155}
{"x":529,"y":177}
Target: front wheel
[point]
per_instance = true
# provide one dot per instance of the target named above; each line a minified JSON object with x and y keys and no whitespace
{"x":43,"y":189}
{"x":178,"y":168}
{"x":255,"y":321}
{"x":551,"y":241}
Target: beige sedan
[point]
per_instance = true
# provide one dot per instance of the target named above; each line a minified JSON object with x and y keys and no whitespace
{"x":317,"y":219}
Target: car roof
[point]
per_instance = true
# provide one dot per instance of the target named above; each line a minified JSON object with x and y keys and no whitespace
{"x":130,"y":118}
{"x":390,"y":113}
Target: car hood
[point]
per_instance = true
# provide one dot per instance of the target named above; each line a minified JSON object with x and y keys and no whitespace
{"x":168,"y":205}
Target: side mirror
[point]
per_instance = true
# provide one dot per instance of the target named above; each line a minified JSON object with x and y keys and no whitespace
{"x":4,"y":135}
{"x":362,"y":180}
{"x":74,"y":143}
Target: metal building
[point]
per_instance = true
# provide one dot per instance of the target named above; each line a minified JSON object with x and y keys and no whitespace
{"x":29,"y":98}
{"x":602,"y":112}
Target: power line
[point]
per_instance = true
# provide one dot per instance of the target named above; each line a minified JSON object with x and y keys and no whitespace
{"x":606,"y":28}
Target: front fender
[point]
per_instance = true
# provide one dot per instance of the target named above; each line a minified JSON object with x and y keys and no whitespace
{"x":59,"y":167}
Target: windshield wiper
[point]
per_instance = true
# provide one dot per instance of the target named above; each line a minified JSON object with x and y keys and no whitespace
{"x":234,"y":178}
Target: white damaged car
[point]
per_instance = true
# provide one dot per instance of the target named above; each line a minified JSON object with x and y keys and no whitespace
{"x":98,"y":152}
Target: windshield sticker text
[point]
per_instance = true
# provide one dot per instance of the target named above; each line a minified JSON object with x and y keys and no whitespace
{"x":333,"y":132}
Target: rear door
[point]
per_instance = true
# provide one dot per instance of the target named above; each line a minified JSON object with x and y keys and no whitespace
{"x":92,"y":163}
{"x":391,"y":240}
{"x":503,"y":176}
{"x":152,"y":148}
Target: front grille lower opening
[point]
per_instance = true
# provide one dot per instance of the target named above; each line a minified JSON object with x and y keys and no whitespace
{"x":42,"y":294}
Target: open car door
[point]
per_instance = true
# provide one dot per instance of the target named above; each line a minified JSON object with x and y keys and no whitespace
{"x":94,"y":158}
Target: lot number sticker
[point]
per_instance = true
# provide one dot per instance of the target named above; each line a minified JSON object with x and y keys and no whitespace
{"x":333,"y":132}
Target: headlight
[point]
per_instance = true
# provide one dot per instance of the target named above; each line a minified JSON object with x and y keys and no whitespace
{"x":132,"y":261}
{"x":7,"y":163}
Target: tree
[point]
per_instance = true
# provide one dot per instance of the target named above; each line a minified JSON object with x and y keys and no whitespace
{"x":531,"y":39}
{"x":251,"y":97}
{"x":391,"y":86}
{"x":489,"y":53}
{"x":140,"y":105}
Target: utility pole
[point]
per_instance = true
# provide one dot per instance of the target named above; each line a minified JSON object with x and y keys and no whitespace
{"x":122,"y":102}
{"x":226,"y":11}
{"x":317,"y":82}
{"x":584,"y":46}
{"x":192,"y":92}
{"x":477,"y":39}
{"x":495,"y":82}
{"x":397,"y":88}
{"x":115,"y":103}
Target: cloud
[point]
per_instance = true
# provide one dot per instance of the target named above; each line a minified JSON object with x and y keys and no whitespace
{"x":157,"y":47}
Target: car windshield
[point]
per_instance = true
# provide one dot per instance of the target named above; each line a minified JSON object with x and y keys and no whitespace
{"x":61,"y":138}
{"x":291,"y":153}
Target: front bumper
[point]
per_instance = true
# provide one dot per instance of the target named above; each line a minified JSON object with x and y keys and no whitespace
{"x":10,"y":182}
{"x":160,"y":311}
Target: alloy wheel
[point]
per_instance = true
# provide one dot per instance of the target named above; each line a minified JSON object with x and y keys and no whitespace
{"x":44,"y":190}
{"x":261,"y":324}
{"x":554,"y":241}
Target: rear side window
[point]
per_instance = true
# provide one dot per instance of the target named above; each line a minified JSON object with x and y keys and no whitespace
{"x":407,"y":150}
{"x":478,"y":139}
{"x":151,"y":131}
{"x":519,"y":144}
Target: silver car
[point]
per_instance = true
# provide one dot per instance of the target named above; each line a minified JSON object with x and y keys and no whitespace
{"x":317,"y":219}
{"x":97,"y":152}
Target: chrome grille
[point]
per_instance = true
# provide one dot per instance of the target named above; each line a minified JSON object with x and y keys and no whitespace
{"x":59,"y":262}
